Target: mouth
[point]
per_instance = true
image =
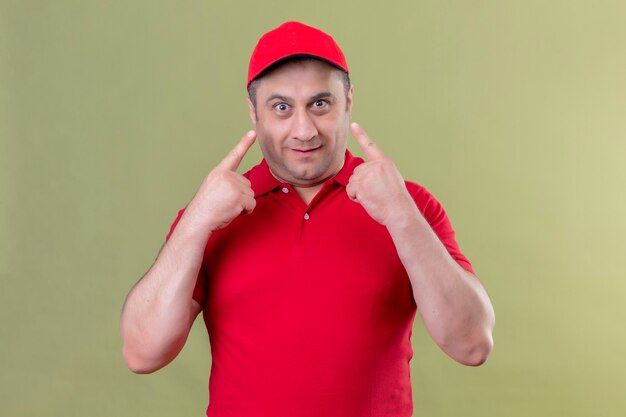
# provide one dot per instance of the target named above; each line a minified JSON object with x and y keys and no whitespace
{"x":304,"y":152}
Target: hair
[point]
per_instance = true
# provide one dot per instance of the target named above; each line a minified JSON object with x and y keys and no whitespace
{"x":345,"y":78}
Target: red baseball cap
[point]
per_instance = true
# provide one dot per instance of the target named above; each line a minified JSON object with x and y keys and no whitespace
{"x":294,"y":39}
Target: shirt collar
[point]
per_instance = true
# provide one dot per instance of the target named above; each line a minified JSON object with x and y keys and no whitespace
{"x":263,"y":181}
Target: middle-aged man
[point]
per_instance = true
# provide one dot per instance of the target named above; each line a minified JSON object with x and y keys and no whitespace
{"x":309,"y":267}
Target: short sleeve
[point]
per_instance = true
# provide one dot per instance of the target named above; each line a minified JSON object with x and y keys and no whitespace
{"x":436,"y":216}
{"x":199,"y":292}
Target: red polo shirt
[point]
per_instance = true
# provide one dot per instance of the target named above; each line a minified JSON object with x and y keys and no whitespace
{"x":308,"y":309}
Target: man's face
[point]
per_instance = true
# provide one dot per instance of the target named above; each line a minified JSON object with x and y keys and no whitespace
{"x":302,"y":121}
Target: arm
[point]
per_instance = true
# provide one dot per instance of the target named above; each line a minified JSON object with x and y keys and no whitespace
{"x":159,"y":310}
{"x":452,"y":302}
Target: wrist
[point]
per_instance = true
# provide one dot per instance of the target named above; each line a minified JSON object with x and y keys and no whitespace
{"x":404,"y":214}
{"x":194,"y":228}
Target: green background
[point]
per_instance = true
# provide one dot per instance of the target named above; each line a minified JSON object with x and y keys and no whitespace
{"x":512,"y":113}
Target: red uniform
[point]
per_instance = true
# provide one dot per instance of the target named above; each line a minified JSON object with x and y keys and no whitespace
{"x":308,"y":309}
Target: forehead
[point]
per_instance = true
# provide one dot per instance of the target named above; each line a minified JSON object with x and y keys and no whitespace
{"x":303,"y":76}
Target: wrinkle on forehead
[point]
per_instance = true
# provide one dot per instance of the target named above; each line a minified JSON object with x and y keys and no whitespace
{"x":301,"y":79}
{"x":319,"y":96}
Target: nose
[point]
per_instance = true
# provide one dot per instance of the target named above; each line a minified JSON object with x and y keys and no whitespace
{"x":303,"y":127}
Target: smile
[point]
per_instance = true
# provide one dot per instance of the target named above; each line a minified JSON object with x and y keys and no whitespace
{"x":305,"y":152}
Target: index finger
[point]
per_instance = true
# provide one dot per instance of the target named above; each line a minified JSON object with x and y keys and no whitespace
{"x":232,"y":160}
{"x":370,"y":149}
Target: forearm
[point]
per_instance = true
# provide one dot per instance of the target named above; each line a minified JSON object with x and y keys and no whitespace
{"x":159,"y":310}
{"x":452,"y":302}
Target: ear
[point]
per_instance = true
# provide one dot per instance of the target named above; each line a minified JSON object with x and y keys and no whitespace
{"x":251,"y":111}
{"x":349,"y":99}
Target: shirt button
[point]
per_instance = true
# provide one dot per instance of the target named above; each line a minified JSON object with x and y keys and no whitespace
{"x":285,"y":190}
{"x":306,"y":216}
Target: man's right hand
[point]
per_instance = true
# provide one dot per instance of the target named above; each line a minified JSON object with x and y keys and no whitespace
{"x":159,"y":310}
{"x":224,"y":193}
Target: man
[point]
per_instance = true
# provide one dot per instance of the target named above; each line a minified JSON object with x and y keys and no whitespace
{"x":309,"y":267}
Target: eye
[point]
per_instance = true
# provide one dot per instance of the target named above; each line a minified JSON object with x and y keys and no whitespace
{"x":319,"y":104}
{"x":281,"y":107}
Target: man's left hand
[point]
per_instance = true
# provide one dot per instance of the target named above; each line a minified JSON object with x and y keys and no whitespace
{"x":377,"y":184}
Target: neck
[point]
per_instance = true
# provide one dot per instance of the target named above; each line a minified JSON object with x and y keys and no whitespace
{"x":308,"y":193}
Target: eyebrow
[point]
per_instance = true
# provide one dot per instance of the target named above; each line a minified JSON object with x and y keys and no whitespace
{"x":277,"y":96}
{"x":324,"y":94}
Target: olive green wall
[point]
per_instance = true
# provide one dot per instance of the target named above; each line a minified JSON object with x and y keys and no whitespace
{"x":512,"y":113}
